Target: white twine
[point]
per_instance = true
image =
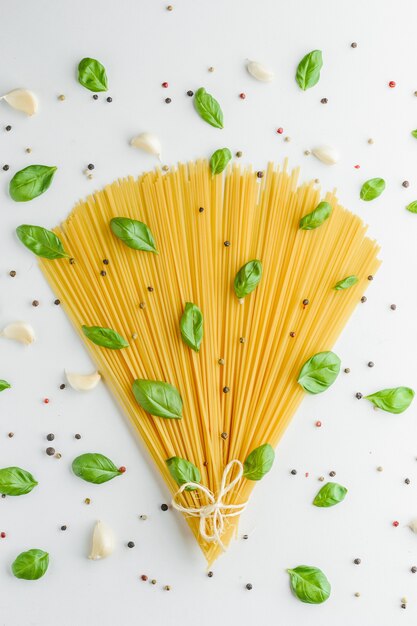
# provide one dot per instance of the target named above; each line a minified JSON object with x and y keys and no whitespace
{"x":215,"y":509}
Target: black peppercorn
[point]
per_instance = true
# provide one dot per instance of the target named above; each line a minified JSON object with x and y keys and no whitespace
{"x":248,"y":586}
{"x":306,"y":302}
{"x":62,"y":386}
{"x":347,"y":370}
{"x":405,"y":183}
{"x":57,"y":302}
{"x":77,"y":436}
{"x":332,"y":473}
{"x":210,"y":574}
{"x":407,"y":481}
{"x":95,"y":97}
{"x":224,"y":435}
{"x":358,"y":395}
{"x":227,"y":244}
{"x":109,"y":99}
{"x":12,"y":273}
{"x":50,"y":437}
{"x":6,"y":167}
{"x":293,"y":472}
{"x":63,"y":527}
{"x":403,"y":605}
{"x":354,"y":45}
{"x":393,"y":307}
{"x":103,"y":273}
{"x":164,"y":507}
{"x":324,"y":100}
{"x":370,"y":277}
{"x":150,"y":288}
{"x":8,"y":128}
{"x":35,"y":303}
{"x":363,"y":299}
{"x":292,"y":334}
{"x":414,"y":569}
{"x":130,"y":544}
{"x":226,"y":389}
{"x":50,"y":451}
{"x":90,"y":166}
{"x":259,"y":174}
{"x":201,"y":209}
{"x":105,"y":261}
{"x":371,"y":364}
{"x":168,"y":100}
{"x":190,"y":93}
{"x":357,"y":561}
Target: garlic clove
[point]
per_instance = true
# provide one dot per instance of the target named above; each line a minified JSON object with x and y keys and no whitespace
{"x":326,"y":154}
{"x":103,"y":542}
{"x":22,"y":100}
{"x":20,"y":331}
{"x":147,"y":142}
{"x":413,"y":525}
{"x":83,"y":382}
{"x":260,"y":71}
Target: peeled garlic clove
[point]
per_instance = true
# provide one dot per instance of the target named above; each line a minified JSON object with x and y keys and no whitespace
{"x":260,"y":72}
{"x":22,"y":100}
{"x":413,"y":525}
{"x":103,"y":542}
{"x":326,"y":154}
{"x":147,"y":142}
{"x":83,"y":382}
{"x":20,"y":331}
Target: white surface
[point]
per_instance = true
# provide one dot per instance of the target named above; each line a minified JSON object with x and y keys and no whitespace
{"x":141,"y":44}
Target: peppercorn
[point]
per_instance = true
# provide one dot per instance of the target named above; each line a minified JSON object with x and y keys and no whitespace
{"x":220,"y":361}
{"x":354,"y":44}
{"x":150,"y":289}
{"x":142,"y":305}
{"x":242,"y":96}
{"x":165,"y":85}
{"x":35,"y":303}
{"x":62,"y":386}
{"x":130,"y":544}
{"x":211,"y":69}
{"x":57,"y":302}
{"x":72,"y":261}
{"x":321,"y":478}
{"x":58,"y":455}
{"x":12,"y":273}
{"x":153,"y":581}
{"x":122,"y":469}
{"x":190,"y":93}
{"x":46,"y":401}
{"x":87,"y":501}
{"x":395,"y":524}
{"x":63,"y":527}
{"x":10,"y":435}
{"x":3,"y":534}
{"x":371,"y":364}
{"x":61,"y":97}
{"x":168,"y":100}
{"x":77,"y":436}
{"x":226,"y":244}
{"x":405,"y":183}
{"x":259,"y":174}
{"x":248,"y":586}
{"x":292,"y":334}
{"x":392,"y":84}
{"x":280,"y":130}
{"x":144,"y":577}
{"x":357,"y":594}
{"x":109,"y":99}
{"x":8,"y":128}
{"x":363,"y":299}
{"x":318,"y":424}
{"x":414,"y":569}
{"x":201,"y":209}
{"x":357,"y":561}
{"x":226,"y":389}
{"x":50,"y":451}
{"x":332,"y":473}
{"x":164,"y":507}
{"x":167,"y":588}
{"x":324,"y":100}
{"x":143,"y":517}
{"x":103,"y":273}
{"x":407,"y":481}
{"x":242,"y":339}
{"x":403,"y":605}
{"x":95,"y":97}
{"x":358,"y":395}
{"x":306,"y":302}
{"x":90,"y":166}
{"x":379,"y":468}
{"x":245,"y":537}
{"x":210,"y":574}
{"x":6,"y":167}
{"x":370,"y":277}
{"x":50,"y":437}
{"x":393,"y":307}
{"x":293,"y":472}
{"x":224,"y":435}
{"x":347,"y":370}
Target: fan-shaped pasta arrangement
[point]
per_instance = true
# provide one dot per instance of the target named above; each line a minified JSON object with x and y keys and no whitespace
{"x":210,"y":305}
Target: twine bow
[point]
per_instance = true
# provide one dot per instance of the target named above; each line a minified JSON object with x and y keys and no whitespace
{"x":214,"y":511}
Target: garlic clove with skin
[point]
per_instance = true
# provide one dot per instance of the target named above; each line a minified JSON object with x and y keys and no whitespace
{"x":22,"y":100}
{"x":326,"y":154}
{"x":260,"y":71}
{"x":82,"y":382}
{"x":103,"y":542}
{"x":19,"y":331}
{"x":147,"y":142}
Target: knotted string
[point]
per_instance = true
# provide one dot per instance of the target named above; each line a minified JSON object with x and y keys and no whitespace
{"x":214,"y":511}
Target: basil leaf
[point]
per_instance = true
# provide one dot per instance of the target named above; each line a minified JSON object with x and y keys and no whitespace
{"x":208,"y":108}
{"x":319,"y":372}
{"x":105,"y":337}
{"x":372,"y":189}
{"x":134,"y":234}
{"x":191,"y":326}
{"x":414,"y":133}
{"x":92,"y":75}
{"x":316,"y":218}
{"x":308,"y":70}
{"x":95,"y":468}
{"x":395,"y":400}
{"x":4,"y":385}
{"x":183,"y":471}
{"x":248,"y":278}
{"x":412,"y":207}
{"x":158,"y":398}
{"x":42,"y":242}
{"x":309,"y":584}
{"x":345,"y":283}
{"x":329,"y":495}
{"x":259,"y":462}
{"x":219,"y":160}
{"x":31,"y":565}
{"x":31,"y":182}
{"x":15,"y":481}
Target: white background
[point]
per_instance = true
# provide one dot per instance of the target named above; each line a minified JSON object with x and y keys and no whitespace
{"x":142,"y":44}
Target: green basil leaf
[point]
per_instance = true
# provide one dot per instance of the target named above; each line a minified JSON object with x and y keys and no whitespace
{"x":208,"y":108}
{"x":248,"y":278}
{"x":316,"y":218}
{"x":309,"y":584}
{"x":95,"y":468}
{"x":319,"y":372}
{"x":31,"y":182}
{"x":4,"y":385}
{"x":105,"y":337}
{"x":219,"y":160}
{"x":329,"y":495}
{"x":259,"y":462}
{"x":345,"y":283}
{"x":372,"y":189}
{"x":158,"y":398}
{"x":183,"y":471}
{"x":15,"y":481}
{"x":414,"y":133}
{"x":92,"y":75}
{"x":42,"y":242}
{"x":412,"y":207}
{"x":134,"y":234}
{"x":395,"y":400}
{"x":30,"y":565}
{"x":191,"y":326}
{"x":308,"y":70}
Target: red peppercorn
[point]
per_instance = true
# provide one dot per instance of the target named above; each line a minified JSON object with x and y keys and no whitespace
{"x":242,"y":96}
{"x":122,"y":469}
{"x":165,"y":85}
{"x":318,"y":424}
{"x":280,"y":130}
{"x":395,"y":523}
{"x":357,"y":167}
{"x":144,"y":577}
{"x":3,"y":535}
{"x":307,"y":474}
{"x":392,"y":84}
{"x":46,"y":401}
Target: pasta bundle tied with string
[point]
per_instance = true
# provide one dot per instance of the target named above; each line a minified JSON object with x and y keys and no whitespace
{"x":210,"y":305}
